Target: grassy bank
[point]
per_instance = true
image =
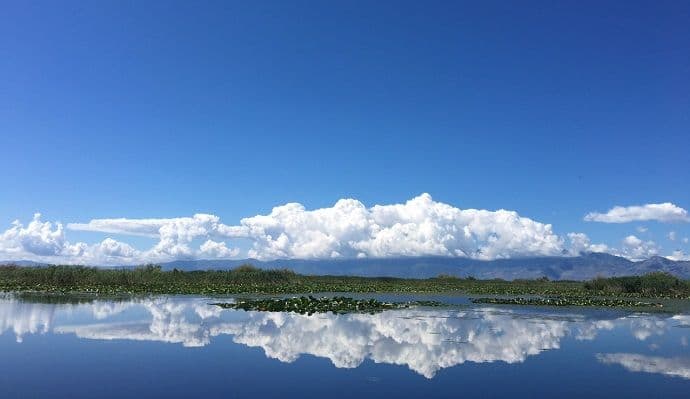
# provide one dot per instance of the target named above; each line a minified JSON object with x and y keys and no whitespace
{"x":247,"y":279}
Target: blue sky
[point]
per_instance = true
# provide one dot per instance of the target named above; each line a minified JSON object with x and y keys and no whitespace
{"x":165,"y":110}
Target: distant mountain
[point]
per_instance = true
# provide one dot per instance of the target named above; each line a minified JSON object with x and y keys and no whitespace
{"x":582,"y":267}
{"x":25,"y":263}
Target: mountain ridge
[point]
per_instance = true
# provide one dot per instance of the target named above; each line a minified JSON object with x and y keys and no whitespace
{"x":583,"y":267}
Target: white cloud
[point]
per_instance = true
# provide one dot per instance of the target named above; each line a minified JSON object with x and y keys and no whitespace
{"x":215,"y":249}
{"x":686,"y":240}
{"x":175,"y":234}
{"x":46,"y":242}
{"x":580,"y":242}
{"x":679,"y":255}
{"x":666,"y":212}
{"x":348,"y":229}
{"x":40,"y":240}
{"x":421,"y":226}
{"x":110,"y":247}
{"x":672,"y":235}
{"x":37,"y":237}
{"x":641,"y":229}
{"x":637,"y":249}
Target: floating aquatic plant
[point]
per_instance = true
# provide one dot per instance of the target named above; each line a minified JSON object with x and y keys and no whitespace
{"x":310,"y":305}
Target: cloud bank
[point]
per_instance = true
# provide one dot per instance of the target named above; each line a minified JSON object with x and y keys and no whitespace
{"x":46,"y":242}
{"x":420,"y":226}
{"x":348,"y":229}
{"x":665,"y":213}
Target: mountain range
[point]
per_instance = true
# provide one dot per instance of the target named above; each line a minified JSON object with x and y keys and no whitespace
{"x":583,"y":267}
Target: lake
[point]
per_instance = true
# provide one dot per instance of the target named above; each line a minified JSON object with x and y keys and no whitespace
{"x":180,"y":346}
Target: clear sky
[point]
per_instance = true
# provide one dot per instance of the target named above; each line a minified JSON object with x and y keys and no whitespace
{"x":167,"y":109}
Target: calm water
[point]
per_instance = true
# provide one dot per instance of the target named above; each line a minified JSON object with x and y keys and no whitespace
{"x":183,"y":347}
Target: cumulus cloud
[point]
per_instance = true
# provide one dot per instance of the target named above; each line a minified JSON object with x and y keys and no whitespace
{"x":420,"y":226}
{"x":679,"y":255}
{"x":37,"y":237}
{"x":46,"y":242}
{"x":186,"y":228}
{"x":636,"y":249}
{"x":175,"y":235}
{"x":215,"y":249}
{"x":580,"y":242}
{"x":110,"y":247}
{"x":665,"y":212}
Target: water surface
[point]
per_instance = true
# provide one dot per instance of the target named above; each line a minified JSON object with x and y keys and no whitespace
{"x":182,"y":346}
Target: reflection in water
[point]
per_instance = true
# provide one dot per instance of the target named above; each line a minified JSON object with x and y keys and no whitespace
{"x":24,"y":318}
{"x":675,"y":366}
{"x":169,"y":322}
{"x":423,"y":340}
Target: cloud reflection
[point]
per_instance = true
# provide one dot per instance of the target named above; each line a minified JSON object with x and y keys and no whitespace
{"x":674,"y":367}
{"x":24,"y":318}
{"x":425,"y":341}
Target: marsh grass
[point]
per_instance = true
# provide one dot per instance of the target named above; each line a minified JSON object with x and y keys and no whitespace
{"x":151,"y":279}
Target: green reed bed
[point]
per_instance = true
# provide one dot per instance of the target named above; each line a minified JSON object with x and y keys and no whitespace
{"x":246,"y":279}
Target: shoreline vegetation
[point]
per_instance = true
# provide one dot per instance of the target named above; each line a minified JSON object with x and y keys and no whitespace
{"x":151,"y":279}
